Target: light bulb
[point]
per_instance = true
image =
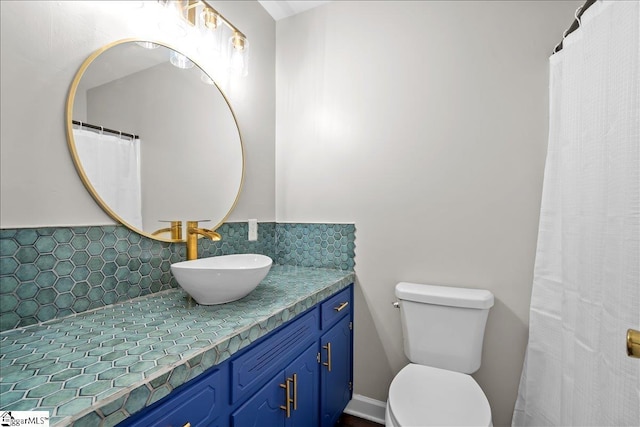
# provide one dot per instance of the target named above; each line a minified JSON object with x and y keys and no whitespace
{"x":208,"y":19}
{"x":210,"y":41}
{"x":238,"y":54}
{"x":238,"y":42}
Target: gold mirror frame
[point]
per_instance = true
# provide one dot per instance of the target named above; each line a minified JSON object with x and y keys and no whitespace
{"x":76,"y":159}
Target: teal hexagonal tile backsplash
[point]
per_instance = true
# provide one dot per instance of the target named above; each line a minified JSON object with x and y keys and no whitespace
{"x":316,"y":245}
{"x":52,"y":272}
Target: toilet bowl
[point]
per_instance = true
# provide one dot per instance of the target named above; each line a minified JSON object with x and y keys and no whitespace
{"x":443,"y":332}
{"x":422,"y":396}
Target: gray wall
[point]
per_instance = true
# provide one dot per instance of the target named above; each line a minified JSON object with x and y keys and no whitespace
{"x":43,"y":44}
{"x":425,"y":123}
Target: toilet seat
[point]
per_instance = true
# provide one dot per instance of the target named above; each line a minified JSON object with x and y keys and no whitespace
{"x":426,"y":396}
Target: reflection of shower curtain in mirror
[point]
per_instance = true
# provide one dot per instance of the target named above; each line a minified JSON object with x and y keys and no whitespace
{"x":112,"y":165}
{"x":586,"y":284}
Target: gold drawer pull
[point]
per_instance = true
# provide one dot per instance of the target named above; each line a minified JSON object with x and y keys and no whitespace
{"x":288,"y":400}
{"x":187,"y":425}
{"x":633,"y":343}
{"x":295,"y":392}
{"x":342,"y":306}
{"x":328,"y":362}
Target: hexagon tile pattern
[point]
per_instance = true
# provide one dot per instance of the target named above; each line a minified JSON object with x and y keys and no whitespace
{"x":234,"y":241}
{"x":98,"y":367}
{"x":53,"y":272}
{"x":48,"y":272}
{"x":316,"y":245}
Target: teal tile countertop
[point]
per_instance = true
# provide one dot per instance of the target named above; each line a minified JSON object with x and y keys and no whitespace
{"x":98,"y":367}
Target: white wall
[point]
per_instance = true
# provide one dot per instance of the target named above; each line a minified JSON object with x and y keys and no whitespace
{"x":425,"y":123}
{"x":43,"y":43}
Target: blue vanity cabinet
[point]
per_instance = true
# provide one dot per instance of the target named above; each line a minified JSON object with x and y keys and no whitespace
{"x":336,"y":343}
{"x":298,"y":375}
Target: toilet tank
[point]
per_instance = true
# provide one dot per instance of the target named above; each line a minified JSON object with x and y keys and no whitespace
{"x":443,"y":326}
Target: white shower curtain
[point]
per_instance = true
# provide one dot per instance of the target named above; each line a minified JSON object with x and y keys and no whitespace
{"x":112,"y":165}
{"x":587,"y":271}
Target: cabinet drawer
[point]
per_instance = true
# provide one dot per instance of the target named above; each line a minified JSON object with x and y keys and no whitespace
{"x":258,"y":364}
{"x":335,"y":307}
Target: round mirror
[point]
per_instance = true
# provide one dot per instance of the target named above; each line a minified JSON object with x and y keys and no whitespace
{"x":153,"y":138}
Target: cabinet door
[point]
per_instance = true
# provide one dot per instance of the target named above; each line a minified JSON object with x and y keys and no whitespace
{"x":335,"y":371}
{"x":306,"y":376}
{"x":268,"y":407}
{"x":263,"y":409}
{"x":199,"y":403}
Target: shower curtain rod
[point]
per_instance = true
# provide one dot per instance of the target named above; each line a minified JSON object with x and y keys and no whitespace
{"x":575,"y":24}
{"x":103,"y":129}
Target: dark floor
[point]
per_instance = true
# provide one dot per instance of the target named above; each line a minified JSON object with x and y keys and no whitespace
{"x":351,"y":421}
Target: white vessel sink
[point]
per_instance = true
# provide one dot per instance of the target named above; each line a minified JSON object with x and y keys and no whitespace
{"x":221,"y":279}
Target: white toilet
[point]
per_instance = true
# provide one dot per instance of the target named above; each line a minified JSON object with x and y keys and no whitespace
{"x":443,"y":330}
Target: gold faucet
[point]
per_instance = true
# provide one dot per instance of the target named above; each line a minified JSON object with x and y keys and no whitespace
{"x":192,"y":238}
{"x":175,"y":229}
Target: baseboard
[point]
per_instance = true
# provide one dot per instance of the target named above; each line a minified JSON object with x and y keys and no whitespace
{"x":366,"y":408}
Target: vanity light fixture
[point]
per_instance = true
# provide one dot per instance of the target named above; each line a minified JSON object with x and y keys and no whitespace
{"x":209,"y":19}
{"x":200,"y":15}
{"x":238,"y":53}
{"x":210,"y":33}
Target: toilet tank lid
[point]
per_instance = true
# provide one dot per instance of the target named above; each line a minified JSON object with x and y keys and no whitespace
{"x":445,"y":295}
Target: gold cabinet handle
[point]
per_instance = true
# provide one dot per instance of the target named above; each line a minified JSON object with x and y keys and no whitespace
{"x":342,"y":306}
{"x":328,"y":362}
{"x":187,"y":425}
{"x":633,"y":343}
{"x":295,"y":392}
{"x":288,"y":399}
